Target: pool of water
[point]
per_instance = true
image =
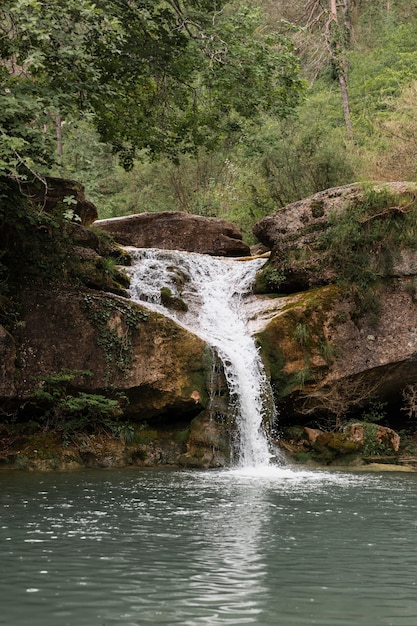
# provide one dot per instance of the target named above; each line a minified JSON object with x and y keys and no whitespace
{"x":276,"y":547}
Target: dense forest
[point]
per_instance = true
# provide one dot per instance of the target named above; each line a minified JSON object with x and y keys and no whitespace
{"x":214,"y":108}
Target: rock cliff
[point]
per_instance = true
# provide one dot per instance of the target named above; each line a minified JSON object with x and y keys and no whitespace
{"x":159,"y":366}
{"x":343,"y":337}
{"x":81,"y":364}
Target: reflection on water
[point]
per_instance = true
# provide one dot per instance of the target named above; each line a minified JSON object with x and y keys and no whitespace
{"x":283,"y":548}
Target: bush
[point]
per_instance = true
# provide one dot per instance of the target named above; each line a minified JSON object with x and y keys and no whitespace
{"x":58,"y":409}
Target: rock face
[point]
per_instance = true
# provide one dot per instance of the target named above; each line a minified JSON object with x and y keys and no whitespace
{"x":51,"y":193}
{"x":340,"y":340}
{"x":177,"y":231}
{"x":295,"y":234}
{"x":158,"y":365}
{"x":323,"y":360}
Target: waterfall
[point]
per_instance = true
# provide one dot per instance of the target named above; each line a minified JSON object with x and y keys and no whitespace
{"x":206,"y":296}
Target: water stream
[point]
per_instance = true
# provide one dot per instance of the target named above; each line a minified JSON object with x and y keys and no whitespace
{"x":212,"y":290}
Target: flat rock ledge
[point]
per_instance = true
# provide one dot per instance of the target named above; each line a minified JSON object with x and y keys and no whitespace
{"x":177,"y":231}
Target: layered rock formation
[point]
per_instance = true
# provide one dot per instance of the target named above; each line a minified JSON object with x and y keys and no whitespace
{"x":347,"y":335}
{"x":177,"y":231}
{"x":159,"y":366}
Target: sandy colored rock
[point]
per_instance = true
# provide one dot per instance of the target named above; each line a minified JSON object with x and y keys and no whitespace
{"x":160,"y":366}
{"x":342,"y":362}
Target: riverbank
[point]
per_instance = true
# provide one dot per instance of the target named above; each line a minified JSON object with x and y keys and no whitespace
{"x":151,"y":448}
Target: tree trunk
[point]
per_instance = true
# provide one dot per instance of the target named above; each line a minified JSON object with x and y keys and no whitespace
{"x":346,"y":108}
{"x":58,"y":126}
{"x":337,"y":51}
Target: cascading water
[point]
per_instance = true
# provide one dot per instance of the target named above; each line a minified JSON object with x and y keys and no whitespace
{"x":212,"y":289}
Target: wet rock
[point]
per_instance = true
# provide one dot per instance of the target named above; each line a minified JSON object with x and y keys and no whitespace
{"x":208,"y":444}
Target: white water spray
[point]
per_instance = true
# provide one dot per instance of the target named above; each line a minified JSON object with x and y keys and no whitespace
{"x":213,"y":289}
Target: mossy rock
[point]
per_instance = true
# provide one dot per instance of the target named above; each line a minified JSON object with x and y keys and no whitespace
{"x":171,"y":301}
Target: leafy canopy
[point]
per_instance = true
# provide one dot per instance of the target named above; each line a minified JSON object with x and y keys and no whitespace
{"x":161,"y":75}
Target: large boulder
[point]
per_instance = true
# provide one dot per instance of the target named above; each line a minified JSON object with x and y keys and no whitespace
{"x":161,"y":367}
{"x":177,"y":231}
{"x":296,"y":234}
{"x":324,"y":360}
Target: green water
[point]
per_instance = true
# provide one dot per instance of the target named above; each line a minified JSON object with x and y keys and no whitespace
{"x":282,"y":548}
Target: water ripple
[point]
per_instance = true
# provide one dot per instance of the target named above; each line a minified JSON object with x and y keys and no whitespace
{"x":194,"y":548}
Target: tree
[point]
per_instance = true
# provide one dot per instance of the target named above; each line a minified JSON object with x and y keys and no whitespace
{"x":337,"y":35}
{"x":163,"y":76}
{"x":47,"y":69}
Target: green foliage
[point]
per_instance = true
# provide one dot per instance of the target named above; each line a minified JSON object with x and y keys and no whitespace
{"x":296,"y":157}
{"x":362,"y":242}
{"x":159,"y":76}
{"x":31,"y":241}
{"x":302,"y":334}
{"x":302,"y":376}
{"x":375,"y":411}
{"x":383,"y":71}
{"x":268,"y":279}
{"x":22,"y":461}
{"x":57,"y":408}
{"x":47,"y":55}
{"x":374,"y":446}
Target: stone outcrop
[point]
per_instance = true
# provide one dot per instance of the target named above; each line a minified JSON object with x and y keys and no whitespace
{"x":323,"y":360}
{"x":177,"y":231}
{"x":360,"y":443}
{"x":339,"y":340}
{"x":208,"y":444}
{"x":294,"y":234}
{"x":159,"y":366}
{"x":50,"y":193}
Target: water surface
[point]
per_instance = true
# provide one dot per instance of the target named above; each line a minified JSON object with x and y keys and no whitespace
{"x":134,"y":547}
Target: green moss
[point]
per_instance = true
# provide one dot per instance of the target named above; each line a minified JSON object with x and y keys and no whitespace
{"x":297,"y":334}
{"x":145,"y":435}
{"x":171,"y":301}
{"x":268,"y":279}
{"x":114,"y":338}
{"x":182,"y":436}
